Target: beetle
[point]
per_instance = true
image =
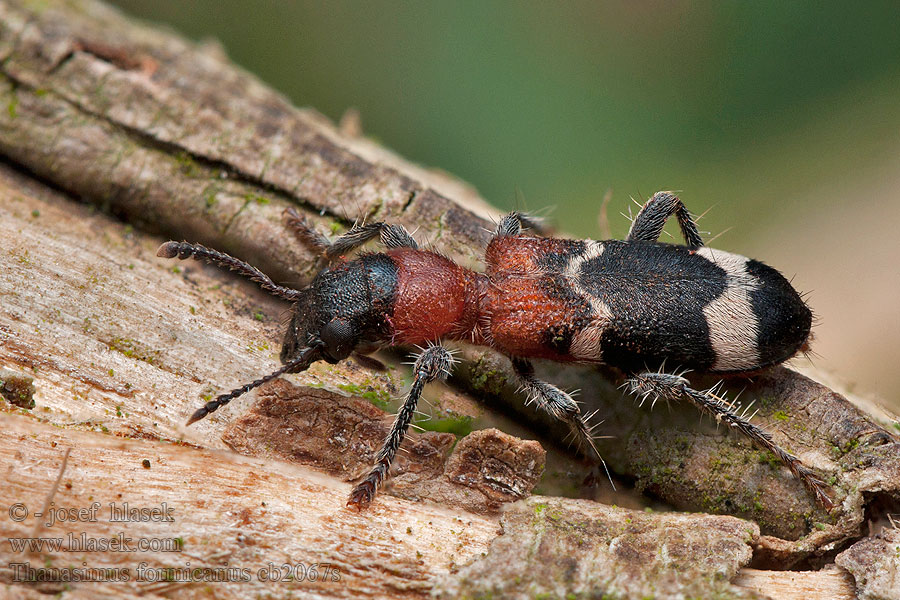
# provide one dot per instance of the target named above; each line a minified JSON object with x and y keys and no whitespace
{"x":635,"y":304}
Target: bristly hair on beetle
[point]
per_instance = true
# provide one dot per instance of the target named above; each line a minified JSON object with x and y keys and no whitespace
{"x":636,"y":305}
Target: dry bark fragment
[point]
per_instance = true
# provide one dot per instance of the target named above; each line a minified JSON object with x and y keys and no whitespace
{"x":342,"y":435}
{"x":874,"y":563}
{"x":227,"y":511}
{"x":557,"y":547}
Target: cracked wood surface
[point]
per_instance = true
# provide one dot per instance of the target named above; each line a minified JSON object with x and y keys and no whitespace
{"x":173,"y":138}
{"x":227,"y":511}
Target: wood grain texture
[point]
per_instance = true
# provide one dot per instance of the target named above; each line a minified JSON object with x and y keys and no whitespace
{"x":833,"y":583}
{"x":227,"y":511}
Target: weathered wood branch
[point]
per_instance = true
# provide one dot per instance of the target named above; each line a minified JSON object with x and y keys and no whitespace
{"x":120,"y":347}
{"x":173,"y":138}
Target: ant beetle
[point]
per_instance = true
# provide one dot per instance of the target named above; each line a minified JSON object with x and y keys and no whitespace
{"x":636,"y":305}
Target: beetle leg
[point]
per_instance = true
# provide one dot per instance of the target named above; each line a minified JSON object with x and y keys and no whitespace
{"x":305,"y":232}
{"x":396,"y":236}
{"x":512,"y":223}
{"x":355,"y":237}
{"x":392,"y":236}
{"x":649,"y":222}
{"x":673,"y":387}
{"x":560,"y":405}
{"x":434,"y":363}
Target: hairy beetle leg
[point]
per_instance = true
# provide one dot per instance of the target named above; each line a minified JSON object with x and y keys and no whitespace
{"x":308,"y":235}
{"x":651,"y":219}
{"x":560,"y":405}
{"x":512,"y":223}
{"x":391,"y":235}
{"x":674,"y":387}
{"x":434,"y":363}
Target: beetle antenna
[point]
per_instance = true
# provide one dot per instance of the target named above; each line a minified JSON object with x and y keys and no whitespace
{"x":185,"y":250}
{"x":306,"y":357}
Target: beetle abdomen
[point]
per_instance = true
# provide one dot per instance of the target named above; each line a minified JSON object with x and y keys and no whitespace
{"x":784,"y":318}
{"x":634,"y":305}
{"x":706,"y":309}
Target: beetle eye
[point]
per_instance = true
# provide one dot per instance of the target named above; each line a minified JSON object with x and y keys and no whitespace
{"x":338,"y":336}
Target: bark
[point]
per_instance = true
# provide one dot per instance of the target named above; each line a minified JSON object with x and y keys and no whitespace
{"x":621,"y":553}
{"x":174,"y":139}
{"x":874,"y":563}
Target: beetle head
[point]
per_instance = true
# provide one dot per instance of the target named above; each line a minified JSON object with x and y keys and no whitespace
{"x":335,"y":315}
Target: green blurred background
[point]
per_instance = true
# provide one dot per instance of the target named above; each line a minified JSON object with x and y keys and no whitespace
{"x":781,"y":117}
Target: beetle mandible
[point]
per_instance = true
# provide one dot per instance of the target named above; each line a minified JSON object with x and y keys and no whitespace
{"x":636,"y":305}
